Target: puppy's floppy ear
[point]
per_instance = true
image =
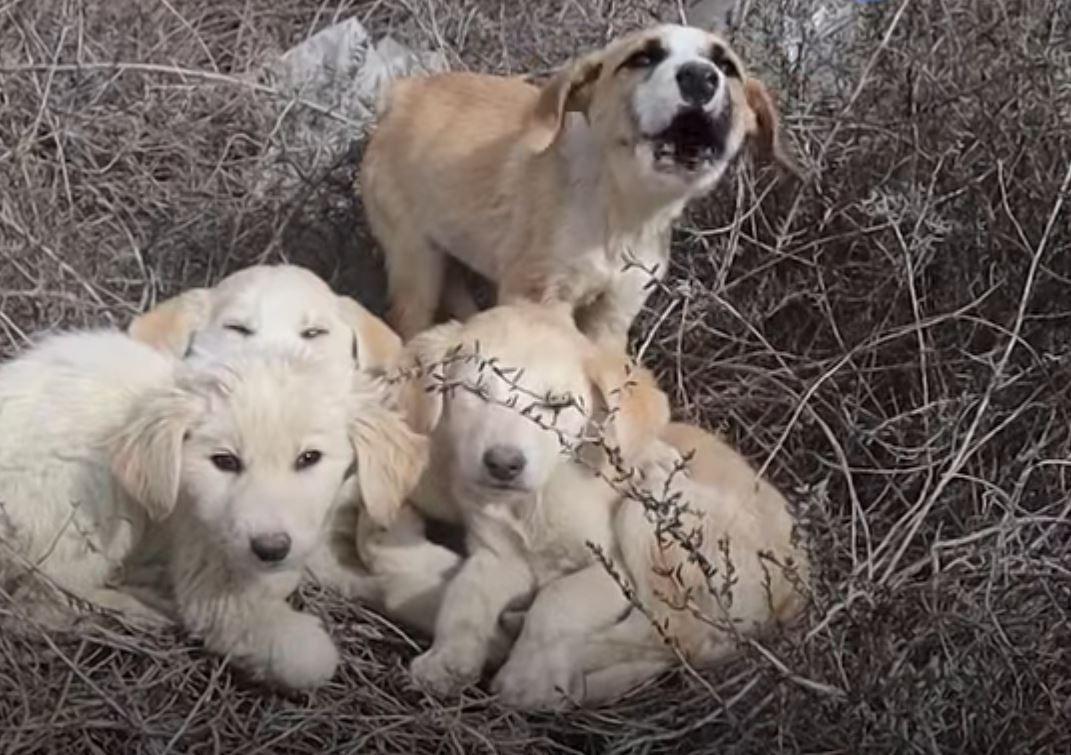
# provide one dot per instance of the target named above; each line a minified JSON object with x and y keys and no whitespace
{"x":377,"y":346}
{"x":766,"y":133}
{"x":146,"y":456}
{"x":169,"y":325}
{"x":568,"y":90}
{"x":390,"y":456}
{"x":418,"y":397}
{"x":639,"y":410}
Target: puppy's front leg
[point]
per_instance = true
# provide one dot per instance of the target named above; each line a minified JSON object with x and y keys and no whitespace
{"x":467,"y":625}
{"x":249,"y":620}
{"x":413,"y":571}
{"x":542,"y":670}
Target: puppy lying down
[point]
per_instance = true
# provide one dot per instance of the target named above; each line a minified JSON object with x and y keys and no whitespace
{"x":267,"y":305}
{"x":500,"y":425}
{"x":112,"y":453}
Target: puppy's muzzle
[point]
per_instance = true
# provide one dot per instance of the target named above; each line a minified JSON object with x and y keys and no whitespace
{"x":504,"y":463}
{"x":271,"y":548}
{"x":698,"y":83}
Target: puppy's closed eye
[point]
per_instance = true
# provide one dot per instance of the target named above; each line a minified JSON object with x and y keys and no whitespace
{"x":243,"y":330}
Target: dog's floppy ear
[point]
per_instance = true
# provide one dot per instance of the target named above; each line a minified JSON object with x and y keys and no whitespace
{"x":568,"y":90}
{"x":377,"y":347}
{"x":418,"y":396}
{"x":170,"y":325}
{"x":390,"y":456}
{"x":638,"y":409}
{"x":766,"y":134}
{"x":146,"y":456}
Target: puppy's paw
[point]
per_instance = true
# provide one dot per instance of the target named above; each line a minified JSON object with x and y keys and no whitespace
{"x":540,"y":679}
{"x":444,"y":672}
{"x":300,"y":654}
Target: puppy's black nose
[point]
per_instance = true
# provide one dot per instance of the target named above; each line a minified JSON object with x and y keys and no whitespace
{"x":698,"y":82}
{"x":503,"y":463}
{"x":270,"y":548}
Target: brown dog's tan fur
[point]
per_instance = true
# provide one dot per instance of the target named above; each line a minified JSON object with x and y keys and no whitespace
{"x":541,"y":190}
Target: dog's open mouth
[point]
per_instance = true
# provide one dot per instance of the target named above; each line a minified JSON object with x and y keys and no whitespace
{"x":692,"y":141}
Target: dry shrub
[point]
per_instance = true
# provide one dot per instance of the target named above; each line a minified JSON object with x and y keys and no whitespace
{"x":891,"y":341}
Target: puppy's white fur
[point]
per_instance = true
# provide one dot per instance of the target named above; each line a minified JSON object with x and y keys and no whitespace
{"x":276,"y":303}
{"x":554,"y":192}
{"x":285,"y":304}
{"x":533,"y":533}
{"x":576,"y":647}
{"x":523,"y":532}
{"x":109,"y":448}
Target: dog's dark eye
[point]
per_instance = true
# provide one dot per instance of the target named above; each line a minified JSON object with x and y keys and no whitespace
{"x":651,"y":54}
{"x":307,"y":459}
{"x":309,"y":333}
{"x":720,"y":58}
{"x":238,"y":328}
{"x":227,"y":462}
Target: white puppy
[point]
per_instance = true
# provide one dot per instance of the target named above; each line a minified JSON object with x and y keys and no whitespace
{"x":229,"y":467}
{"x":532,"y":513}
{"x":264,"y":303}
{"x":270,"y":304}
{"x":529,"y":510}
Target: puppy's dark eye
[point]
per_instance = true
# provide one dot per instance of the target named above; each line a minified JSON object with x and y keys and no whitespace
{"x":238,"y":328}
{"x":314,"y":332}
{"x":227,"y":462}
{"x":649,"y":55}
{"x":307,"y":459}
{"x":720,"y":58}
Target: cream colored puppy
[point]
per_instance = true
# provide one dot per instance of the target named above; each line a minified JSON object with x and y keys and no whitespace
{"x":279,"y":303}
{"x":270,"y":304}
{"x":576,"y":647}
{"x":111,"y":452}
{"x":529,"y":510}
{"x":560,"y":193}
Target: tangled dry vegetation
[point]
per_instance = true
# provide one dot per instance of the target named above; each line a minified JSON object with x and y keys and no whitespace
{"x":892,"y":341}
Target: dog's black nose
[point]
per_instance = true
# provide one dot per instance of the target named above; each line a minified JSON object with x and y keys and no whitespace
{"x":698,"y":82}
{"x":270,"y":548}
{"x":503,"y":463}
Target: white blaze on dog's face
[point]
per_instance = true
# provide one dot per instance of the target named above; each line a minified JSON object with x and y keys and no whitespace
{"x":533,"y":382}
{"x":685,"y":117}
{"x":672,"y":106}
{"x":280,"y":304}
{"x":256,"y":446}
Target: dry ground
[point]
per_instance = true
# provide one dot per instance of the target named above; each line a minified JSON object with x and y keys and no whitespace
{"x":892,"y":340}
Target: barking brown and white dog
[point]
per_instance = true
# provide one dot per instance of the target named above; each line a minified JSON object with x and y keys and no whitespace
{"x":564,"y":193}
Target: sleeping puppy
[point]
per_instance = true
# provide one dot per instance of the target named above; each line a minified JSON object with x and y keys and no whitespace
{"x":227,"y":469}
{"x":529,"y":510}
{"x":268,"y":305}
{"x":282,"y":303}
{"x":561,"y":193}
{"x":584,"y":642}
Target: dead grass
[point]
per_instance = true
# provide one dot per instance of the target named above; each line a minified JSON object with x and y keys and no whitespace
{"x":892,"y":341}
